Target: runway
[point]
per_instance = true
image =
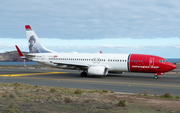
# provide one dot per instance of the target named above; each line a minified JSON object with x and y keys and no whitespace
{"x":127,"y":82}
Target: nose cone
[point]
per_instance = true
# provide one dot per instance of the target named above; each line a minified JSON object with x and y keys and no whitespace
{"x":172,"y":66}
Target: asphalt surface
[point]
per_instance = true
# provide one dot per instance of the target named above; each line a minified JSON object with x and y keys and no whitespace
{"x":127,"y":82}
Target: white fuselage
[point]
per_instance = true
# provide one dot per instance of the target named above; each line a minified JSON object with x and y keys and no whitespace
{"x":114,"y":62}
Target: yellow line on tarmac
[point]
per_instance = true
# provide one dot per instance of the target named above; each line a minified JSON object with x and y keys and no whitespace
{"x":28,"y":74}
{"x":142,"y":84}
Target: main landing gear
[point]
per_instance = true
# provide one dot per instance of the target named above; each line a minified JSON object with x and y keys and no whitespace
{"x":83,"y":74}
{"x":155,"y":77}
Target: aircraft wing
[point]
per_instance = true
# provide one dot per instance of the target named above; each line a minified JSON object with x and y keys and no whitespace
{"x":71,"y":64}
{"x":64,"y":63}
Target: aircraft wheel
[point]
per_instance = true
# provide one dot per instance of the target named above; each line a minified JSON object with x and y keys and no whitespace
{"x":155,"y":77}
{"x":83,"y":74}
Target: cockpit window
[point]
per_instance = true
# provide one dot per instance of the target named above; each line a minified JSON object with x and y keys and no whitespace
{"x":163,"y":61}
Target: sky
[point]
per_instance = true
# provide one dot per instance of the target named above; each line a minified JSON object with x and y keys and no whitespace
{"x":90,"y":26}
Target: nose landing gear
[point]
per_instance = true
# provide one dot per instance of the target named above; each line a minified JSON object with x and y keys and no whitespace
{"x":156,"y":75}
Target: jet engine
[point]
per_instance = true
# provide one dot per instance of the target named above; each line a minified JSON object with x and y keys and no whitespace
{"x":97,"y":70}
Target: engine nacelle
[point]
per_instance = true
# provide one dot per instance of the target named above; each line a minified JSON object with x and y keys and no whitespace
{"x":98,"y":70}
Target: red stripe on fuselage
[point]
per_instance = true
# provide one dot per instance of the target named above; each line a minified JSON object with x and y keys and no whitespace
{"x":149,"y":64}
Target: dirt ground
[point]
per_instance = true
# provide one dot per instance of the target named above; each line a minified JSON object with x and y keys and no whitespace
{"x":15,"y":98}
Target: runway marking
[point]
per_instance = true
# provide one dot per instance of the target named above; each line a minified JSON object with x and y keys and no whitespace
{"x":144,"y":77}
{"x":118,"y":82}
{"x":59,"y":80}
{"x":106,"y":82}
{"x":28,"y":74}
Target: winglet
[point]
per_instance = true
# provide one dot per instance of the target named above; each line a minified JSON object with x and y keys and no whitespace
{"x":20,"y":53}
{"x":28,"y":27}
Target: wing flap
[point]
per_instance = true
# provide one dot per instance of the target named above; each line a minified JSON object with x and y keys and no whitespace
{"x":71,"y":64}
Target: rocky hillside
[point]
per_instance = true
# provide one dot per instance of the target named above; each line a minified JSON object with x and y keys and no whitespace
{"x":10,"y":56}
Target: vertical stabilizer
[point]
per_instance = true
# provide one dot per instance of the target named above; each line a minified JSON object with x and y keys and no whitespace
{"x":35,"y":45}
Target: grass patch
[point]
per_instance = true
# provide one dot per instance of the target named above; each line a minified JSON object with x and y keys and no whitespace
{"x":168,"y":95}
{"x":68,"y":100}
{"x":12,"y":108}
{"x":78,"y":91}
{"x":52,"y":90}
{"x":122,"y":103}
{"x":112,"y":92}
{"x":177,"y":97}
{"x":81,"y":99}
{"x":105,"y":91}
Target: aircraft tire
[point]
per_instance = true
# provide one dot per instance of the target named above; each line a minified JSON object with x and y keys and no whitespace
{"x":83,"y":74}
{"x":155,"y":77}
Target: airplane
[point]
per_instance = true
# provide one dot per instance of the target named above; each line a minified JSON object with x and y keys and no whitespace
{"x":94,"y":64}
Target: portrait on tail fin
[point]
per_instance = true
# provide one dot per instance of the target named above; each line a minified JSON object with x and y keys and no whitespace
{"x":33,"y":49}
